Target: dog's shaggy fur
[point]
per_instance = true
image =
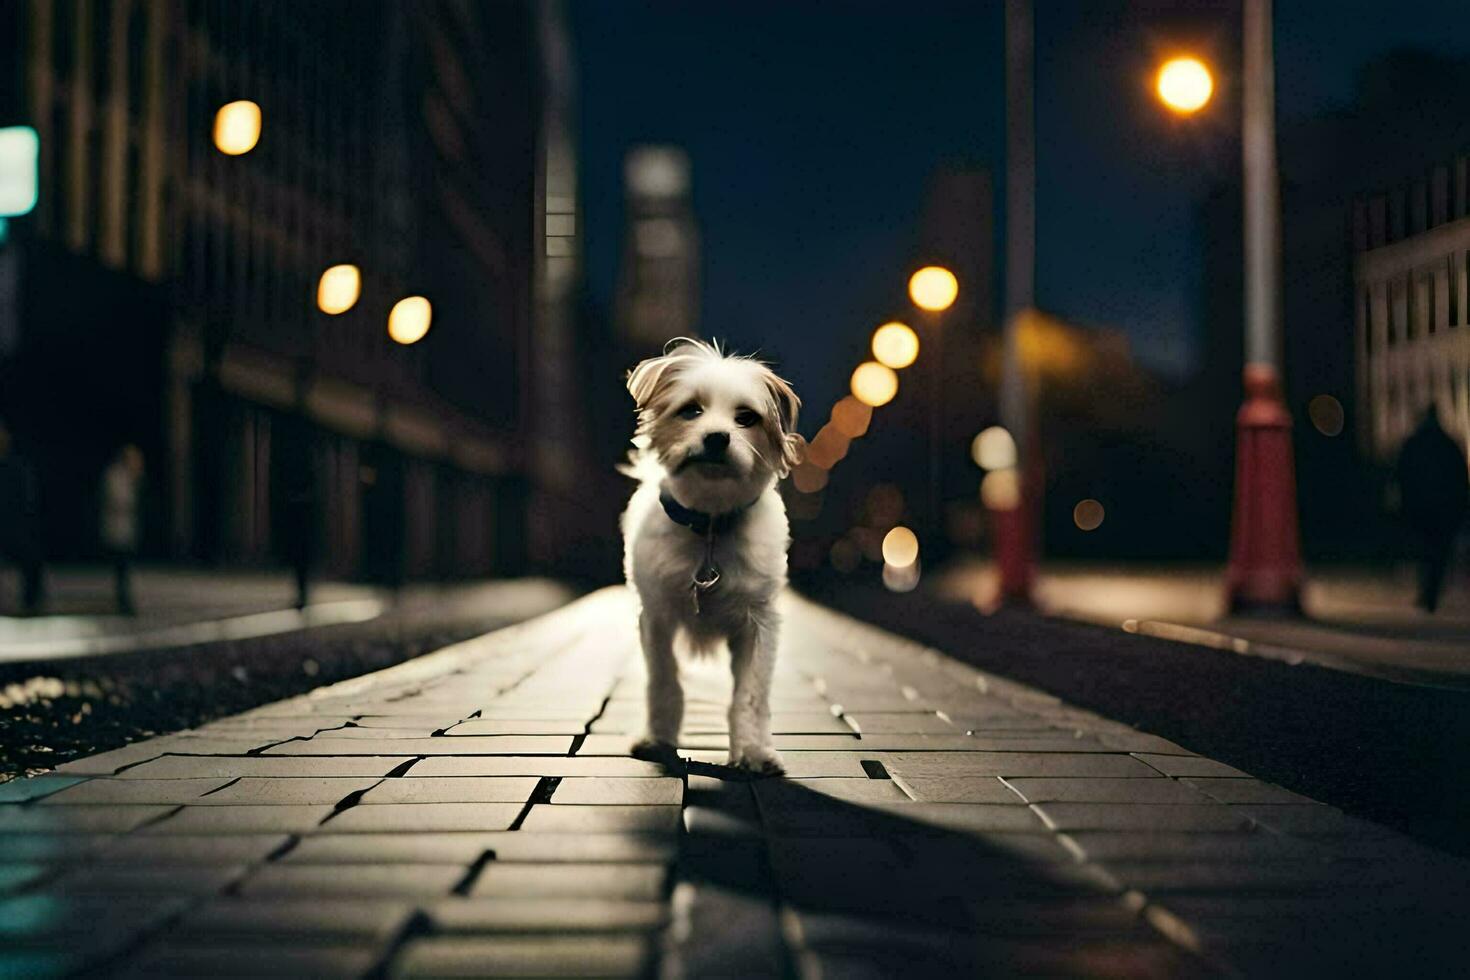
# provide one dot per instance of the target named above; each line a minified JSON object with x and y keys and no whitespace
{"x":715,"y":432}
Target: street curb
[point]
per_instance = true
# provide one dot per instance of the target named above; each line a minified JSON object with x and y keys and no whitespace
{"x":1293,"y":656}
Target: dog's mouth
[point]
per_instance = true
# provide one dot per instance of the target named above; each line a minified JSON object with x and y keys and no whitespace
{"x":707,"y":461}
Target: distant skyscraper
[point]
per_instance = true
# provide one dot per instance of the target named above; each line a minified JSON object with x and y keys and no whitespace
{"x":658,"y":285}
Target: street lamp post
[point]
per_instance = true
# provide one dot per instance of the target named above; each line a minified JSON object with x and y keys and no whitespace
{"x":1265,"y":568}
{"x":933,"y":290}
{"x":1015,"y":545}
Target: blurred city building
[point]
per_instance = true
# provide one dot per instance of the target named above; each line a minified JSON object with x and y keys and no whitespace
{"x":658,"y":275}
{"x":168,"y":292}
{"x":1374,"y":173}
{"x":1412,"y":326}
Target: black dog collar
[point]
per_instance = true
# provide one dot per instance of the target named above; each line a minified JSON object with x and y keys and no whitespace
{"x":697,"y":520}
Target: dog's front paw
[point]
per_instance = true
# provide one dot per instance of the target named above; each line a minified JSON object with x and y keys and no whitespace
{"x":761,"y":760}
{"x":652,"y":750}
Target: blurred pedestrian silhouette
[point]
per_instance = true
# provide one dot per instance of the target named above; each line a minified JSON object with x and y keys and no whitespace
{"x":20,"y":521}
{"x":122,"y":486}
{"x":295,"y":489}
{"x":1435,"y":487}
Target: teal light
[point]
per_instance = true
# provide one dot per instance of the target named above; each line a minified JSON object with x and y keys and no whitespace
{"x":20,"y":148}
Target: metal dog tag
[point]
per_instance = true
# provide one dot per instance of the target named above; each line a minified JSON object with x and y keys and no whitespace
{"x":707,"y":575}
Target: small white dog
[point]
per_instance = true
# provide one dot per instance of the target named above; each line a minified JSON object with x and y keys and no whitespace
{"x":705,"y":535}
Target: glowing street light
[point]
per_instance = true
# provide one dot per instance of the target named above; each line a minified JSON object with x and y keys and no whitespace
{"x":851,"y":417}
{"x":994,"y":449}
{"x":895,"y":345}
{"x":338,"y":289}
{"x":1088,"y":515}
{"x":933,"y":288}
{"x":900,"y":547}
{"x":237,"y":127}
{"x":1185,"y":85}
{"x":874,"y":384}
{"x":408,"y":321}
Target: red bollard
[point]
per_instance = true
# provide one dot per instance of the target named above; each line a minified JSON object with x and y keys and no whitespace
{"x":1265,"y":570}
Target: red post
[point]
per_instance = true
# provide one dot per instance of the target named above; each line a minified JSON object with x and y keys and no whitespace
{"x":1265,"y":570}
{"x":1015,"y":534}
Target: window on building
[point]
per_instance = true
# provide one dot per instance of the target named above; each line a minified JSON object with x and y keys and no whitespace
{"x":1452,"y":271}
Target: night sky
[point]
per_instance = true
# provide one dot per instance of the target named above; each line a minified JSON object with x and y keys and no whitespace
{"x":813,"y":129}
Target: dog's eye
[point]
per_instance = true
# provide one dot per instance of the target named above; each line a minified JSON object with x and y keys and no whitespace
{"x":745,"y":418}
{"x":691,"y":411}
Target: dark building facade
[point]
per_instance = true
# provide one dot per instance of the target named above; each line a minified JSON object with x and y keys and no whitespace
{"x":1372,"y":173}
{"x":167,"y":290}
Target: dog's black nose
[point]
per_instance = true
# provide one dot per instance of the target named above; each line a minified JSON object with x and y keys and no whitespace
{"x":715,"y":443}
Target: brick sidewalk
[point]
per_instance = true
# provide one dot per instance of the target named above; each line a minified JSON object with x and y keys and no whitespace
{"x":473,"y":813}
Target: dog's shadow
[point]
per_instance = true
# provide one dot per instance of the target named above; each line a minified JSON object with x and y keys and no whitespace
{"x":864,"y":885}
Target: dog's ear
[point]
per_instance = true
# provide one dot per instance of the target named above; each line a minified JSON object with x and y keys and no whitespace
{"x":781,"y":423}
{"x":643,"y":380}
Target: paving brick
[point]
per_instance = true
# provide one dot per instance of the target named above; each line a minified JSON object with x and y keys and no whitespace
{"x":1144,"y":816}
{"x":213,"y":959}
{"x":821,"y":792}
{"x":901,"y":818}
{"x":460,"y":789}
{"x":1174,"y":765}
{"x":595,"y":819}
{"x":562,"y":914}
{"x":629,"y":881}
{"x":508,"y":726}
{"x":428,"y":723}
{"x":1194,"y":876}
{"x":535,"y":712}
{"x":17,"y":876}
{"x":268,"y":791}
{"x":465,"y":848}
{"x":536,"y":766}
{"x":625,"y":847}
{"x":46,"y":915}
{"x":461,"y":848}
{"x":170,"y":849}
{"x":35,"y":963}
{"x":1310,"y":820}
{"x":732,"y":931}
{"x":184,"y":767}
{"x":1141,"y":742}
{"x":185,"y":744}
{"x":115,"y":791}
{"x":425,"y":817}
{"x":902,"y":723}
{"x":709,"y":821}
{"x":53,"y":848}
{"x":362,"y":880}
{"x":524,"y":956}
{"x":1243,"y":790}
{"x":1083,"y":789}
{"x":958,"y":789}
{"x":1016,"y":764}
{"x":107,"y":763}
{"x":1167,"y":845}
{"x":285,"y":819}
{"x":134,"y":880}
{"x":22,"y":790}
{"x":601,"y":790}
{"x":445,"y":745}
{"x":79,"y":819}
{"x":425,"y":731}
{"x":277,"y":917}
